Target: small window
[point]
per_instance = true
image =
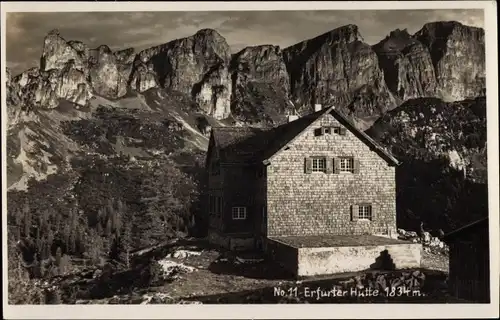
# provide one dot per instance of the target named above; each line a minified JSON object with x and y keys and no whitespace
{"x":239,"y":213}
{"x":336,"y":130}
{"x":346,"y":165}
{"x":215,"y":205}
{"x":319,"y":164}
{"x":365,"y":212}
{"x":327,"y":130}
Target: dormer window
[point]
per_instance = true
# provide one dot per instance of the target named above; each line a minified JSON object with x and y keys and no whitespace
{"x":324,"y":130}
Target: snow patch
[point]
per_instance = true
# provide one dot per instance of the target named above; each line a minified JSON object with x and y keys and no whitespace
{"x":183,"y":254}
{"x":171,"y":268}
{"x":455,"y":160}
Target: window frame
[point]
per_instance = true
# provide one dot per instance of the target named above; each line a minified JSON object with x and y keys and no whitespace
{"x":350,"y":168}
{"x":318,"y":169}
{"x":216,"y":204}
{"x":239,"y":213}
{"x":365,"y":215}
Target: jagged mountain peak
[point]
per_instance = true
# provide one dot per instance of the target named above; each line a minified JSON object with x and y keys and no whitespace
{"x":57,"y":51}
{"x":324,"y":69}
{"x":400,"y":33}
{"x":265,"y":51}
{"x":445,"y":28}
{"x":456,"y":49}
{"x":344,"y":34}
{"x":208,"y":32}
{"x":396,"y":41}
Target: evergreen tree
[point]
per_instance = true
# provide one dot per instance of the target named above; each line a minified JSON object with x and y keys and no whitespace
{"x":58,"y":258}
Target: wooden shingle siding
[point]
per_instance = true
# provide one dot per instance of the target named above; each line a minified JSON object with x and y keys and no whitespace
{"x":302,"y":202}
{"x":469,"y":272}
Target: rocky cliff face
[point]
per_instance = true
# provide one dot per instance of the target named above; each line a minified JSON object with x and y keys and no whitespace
{"x":407,"y":66}
{"x":110,"y":72}
{"x":197,"y":65}
{"x":458,"y":57}
{"x":260,"y":85}
{"x":263,"y":83}
{"x":338,"y":68}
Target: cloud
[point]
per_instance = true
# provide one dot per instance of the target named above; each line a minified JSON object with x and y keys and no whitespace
{"x":118,"y":30}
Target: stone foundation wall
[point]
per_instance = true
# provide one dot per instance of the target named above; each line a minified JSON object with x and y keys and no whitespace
{"x":231,"y":242}
{"x":321,"y":261}
{"x":286,"y":256}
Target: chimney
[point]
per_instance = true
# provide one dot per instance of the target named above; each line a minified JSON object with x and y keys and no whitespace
{"x":317,"y":107}
{"x":292,"y":117}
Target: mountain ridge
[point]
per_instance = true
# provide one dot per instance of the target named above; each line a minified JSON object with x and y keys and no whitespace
{"x":110,"y":74}
{"x":256,"y":86}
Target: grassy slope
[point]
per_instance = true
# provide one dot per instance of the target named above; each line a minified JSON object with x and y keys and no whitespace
{"x":44,"y":141}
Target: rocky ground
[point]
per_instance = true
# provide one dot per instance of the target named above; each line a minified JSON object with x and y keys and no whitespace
{"x":195,"y":273}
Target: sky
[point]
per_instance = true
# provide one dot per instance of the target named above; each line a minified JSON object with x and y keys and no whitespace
{"x":25,"y":31}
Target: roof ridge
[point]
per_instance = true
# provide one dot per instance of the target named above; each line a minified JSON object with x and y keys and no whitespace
{"x":234,"y":127}
{"x":374,"y":143}
{"x":465,"y":227}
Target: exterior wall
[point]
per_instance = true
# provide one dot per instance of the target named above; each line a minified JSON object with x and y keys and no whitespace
{"x":231,"y":242}
{"x":215,"y":184}
{"x":469,"y":267}
{"x":243,"y":187}
{"x":320,"y":203}
{"x":286,"y":256}
{"x":321,"y":261}
{"x":217,"y":239}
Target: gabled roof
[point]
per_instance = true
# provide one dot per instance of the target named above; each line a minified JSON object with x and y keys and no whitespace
{"x":251,"y":145}
{"x":471,"y":227}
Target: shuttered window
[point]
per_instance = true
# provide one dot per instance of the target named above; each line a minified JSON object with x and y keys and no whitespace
{"x":365,"y":212}
{"x":319,"y":164}
{"x":362,"y":211}
{"x":329,"y":165}
{"x":346,"y":164}
{"x":216,"y":204}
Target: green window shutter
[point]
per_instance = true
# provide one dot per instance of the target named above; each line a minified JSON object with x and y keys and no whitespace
{"x":356,"y":165}
{"x":354,"y":212}
{"x":336,"y":165}
{"x":308,"y":165}
{"x":329,"y":165}
{"x":373,"y":212}
{"x":342,"y":131}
